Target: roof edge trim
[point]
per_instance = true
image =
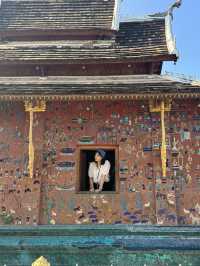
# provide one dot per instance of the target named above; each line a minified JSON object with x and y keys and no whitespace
{"x":142,"y":18}
{"x":170,"y":39}
{"x":101,"y":97}
{"x":116,"y":15}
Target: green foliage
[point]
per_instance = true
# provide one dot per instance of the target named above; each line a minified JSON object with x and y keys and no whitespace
{"x":6,"y":218}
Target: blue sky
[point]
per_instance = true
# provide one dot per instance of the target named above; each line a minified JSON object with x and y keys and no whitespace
{"x":186,"y":28}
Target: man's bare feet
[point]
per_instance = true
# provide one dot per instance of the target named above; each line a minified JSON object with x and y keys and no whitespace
{"x":98,"y":190}
{"x":91,"y":189}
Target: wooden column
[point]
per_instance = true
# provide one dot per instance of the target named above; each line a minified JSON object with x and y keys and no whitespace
{"x":33,"y":107}
{"x":163,"y":147}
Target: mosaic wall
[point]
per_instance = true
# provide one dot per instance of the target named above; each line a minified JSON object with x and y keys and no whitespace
{"x":144,"y":197}
{"x":19,"y":195}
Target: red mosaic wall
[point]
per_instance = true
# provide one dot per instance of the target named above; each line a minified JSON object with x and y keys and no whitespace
{"x":144,"y":197}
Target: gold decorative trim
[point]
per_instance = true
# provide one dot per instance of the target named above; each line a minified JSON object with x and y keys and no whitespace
{"x":31,"y":147}
{"x":39,"y":106}
{"x":164,"y":147}
{"x":156,"y":106}
{"x":97,"y":97}
{"x":162,"y":107}
{"x":41,"y":262}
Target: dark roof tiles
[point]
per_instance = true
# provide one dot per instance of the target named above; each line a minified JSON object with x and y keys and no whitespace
{"x":151,"y":85}
{"x":56,"y":14}
{"x":137,"y":39}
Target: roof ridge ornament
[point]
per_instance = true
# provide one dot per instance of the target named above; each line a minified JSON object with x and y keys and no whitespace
{"x":171,"y":41}
{"x":176,"y":4}
{"x":116,"y":15}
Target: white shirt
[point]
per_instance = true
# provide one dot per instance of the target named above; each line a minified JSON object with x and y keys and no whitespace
{"x":96,"y":172}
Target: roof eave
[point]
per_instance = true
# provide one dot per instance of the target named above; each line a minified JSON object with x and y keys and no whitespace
{"x":141,"y":59}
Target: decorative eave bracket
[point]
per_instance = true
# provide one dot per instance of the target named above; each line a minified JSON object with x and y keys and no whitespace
{"x":162,"y":107}
{"x":33,"y":107}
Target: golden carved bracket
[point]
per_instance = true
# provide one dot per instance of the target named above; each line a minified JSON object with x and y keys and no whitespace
{"x":33,"y":107}
{"x":162,"y":107}
{"x":155,"y":106}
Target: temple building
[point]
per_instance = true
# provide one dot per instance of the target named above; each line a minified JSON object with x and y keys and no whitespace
{"x":75,"y":79}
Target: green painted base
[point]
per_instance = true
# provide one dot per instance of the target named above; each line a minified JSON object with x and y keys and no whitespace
{"x":100,"y":245}
{"x":105,"y":258}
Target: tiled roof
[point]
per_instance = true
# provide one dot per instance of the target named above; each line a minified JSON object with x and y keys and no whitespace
{"x":134,"y":40}
{"x":149,"y":85}
{"x":57,"y":14}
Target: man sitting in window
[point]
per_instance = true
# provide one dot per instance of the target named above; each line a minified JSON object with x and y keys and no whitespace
{"x":99,"y":171}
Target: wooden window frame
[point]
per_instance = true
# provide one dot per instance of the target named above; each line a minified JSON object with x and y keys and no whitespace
{"x":95,"y":147}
